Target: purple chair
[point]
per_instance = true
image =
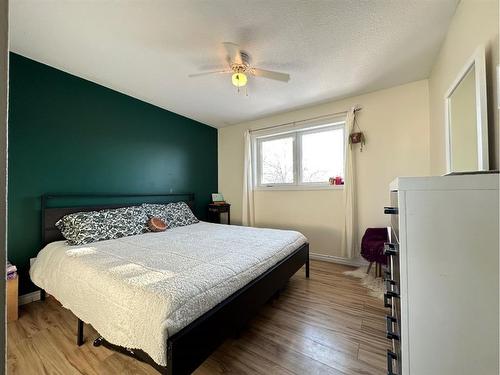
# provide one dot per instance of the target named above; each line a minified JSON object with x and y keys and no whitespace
{"x":372,"y":248}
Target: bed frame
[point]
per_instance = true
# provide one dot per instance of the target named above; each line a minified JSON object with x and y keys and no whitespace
{"x":188,"y":348}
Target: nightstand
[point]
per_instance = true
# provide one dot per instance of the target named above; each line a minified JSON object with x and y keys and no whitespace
{"x":215,"y":211}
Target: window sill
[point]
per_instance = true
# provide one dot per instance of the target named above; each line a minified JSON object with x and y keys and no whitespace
{"x":299,"y":187}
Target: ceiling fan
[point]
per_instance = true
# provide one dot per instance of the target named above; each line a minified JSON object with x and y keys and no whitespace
{"x":239,"y":67}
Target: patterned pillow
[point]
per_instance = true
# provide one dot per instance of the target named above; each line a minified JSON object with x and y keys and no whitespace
{"x":156,"y":210}
{"x":81,"y":228}
{"x":173,"y":214}
{"x":180,"y":215}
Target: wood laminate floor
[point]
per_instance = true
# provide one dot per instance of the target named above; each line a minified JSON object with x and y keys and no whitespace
{"x":328,"y":324}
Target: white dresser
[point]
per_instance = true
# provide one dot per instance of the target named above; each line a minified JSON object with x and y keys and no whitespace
{"x":443,"y":281}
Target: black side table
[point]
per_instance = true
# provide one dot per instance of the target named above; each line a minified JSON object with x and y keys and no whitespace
{"x":215,"y":211}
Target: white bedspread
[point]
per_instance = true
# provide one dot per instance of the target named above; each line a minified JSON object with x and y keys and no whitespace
{"x":137,"y":291}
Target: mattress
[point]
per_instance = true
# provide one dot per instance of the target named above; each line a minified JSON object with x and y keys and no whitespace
{"x":137,"y":291}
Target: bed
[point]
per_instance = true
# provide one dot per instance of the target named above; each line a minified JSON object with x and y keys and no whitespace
{"x":168,"y":298}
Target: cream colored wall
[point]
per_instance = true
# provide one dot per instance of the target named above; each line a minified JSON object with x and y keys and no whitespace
{"x":396,"y":124}
{"x":474,"y":23}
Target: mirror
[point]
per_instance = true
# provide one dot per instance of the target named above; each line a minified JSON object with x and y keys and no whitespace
{"x":466,"y":118}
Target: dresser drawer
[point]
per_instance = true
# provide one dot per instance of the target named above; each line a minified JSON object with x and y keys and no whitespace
{"x":393,"y":355}
{"x":393,"y":363}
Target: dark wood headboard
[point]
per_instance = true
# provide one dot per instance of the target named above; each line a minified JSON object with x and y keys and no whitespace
{"x":52,"y":212}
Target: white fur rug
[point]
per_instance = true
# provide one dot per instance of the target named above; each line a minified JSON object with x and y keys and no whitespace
{"x":375,"y":284}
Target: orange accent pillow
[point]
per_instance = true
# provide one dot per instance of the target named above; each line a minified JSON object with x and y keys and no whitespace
{"x":156,"y":224}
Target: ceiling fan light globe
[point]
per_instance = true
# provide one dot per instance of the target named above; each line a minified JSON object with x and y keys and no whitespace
{"x":239,"y":79}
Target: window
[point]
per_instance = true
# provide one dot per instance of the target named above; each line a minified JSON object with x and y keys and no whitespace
{"x":277,"y":160}
{"x":301,"y":158}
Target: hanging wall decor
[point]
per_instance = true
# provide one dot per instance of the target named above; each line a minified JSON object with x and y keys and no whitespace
{"x":357,"y":136}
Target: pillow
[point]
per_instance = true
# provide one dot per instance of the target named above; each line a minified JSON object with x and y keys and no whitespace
{"x":156,"y":224}
{"x":180,"y":215}
{"x":81,"y":228}
{"x":173,"y":214}
{"x":156,"y":210}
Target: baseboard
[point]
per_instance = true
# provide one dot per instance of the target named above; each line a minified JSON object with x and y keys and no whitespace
{"x":356,"y":262}
{"x":30,"y":297}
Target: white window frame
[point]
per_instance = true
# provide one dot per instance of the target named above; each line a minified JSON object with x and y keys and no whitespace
{"x":296,"y":134}
{"x":258,"y":148}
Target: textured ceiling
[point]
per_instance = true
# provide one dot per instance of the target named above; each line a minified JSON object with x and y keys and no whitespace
{"x":146,"y":49}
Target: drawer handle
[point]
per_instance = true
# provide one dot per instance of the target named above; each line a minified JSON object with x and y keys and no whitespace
{"x":390,"y":357}
{"x":389,"y":288}
{"x":390,"y":320}
{"x":391,"y":210}
{"x":391,"y":249}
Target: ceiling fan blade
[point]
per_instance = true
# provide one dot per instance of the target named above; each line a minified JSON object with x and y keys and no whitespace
{"x":284,"y":77}
{"x":233,"y":52}
{"x":207,"y":73}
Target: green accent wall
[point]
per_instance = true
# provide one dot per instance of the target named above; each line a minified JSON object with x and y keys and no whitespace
{"x":69,"y":135}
